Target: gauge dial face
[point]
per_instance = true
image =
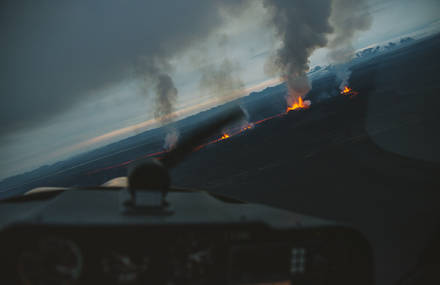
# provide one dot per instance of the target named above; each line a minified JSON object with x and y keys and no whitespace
{"x":52,"y":260}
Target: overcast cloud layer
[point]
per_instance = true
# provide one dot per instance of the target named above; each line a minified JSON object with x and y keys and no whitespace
{"x":55,"y":52}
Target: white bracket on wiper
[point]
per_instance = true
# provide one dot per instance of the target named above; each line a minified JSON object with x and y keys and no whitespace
{"x":149,"y":202}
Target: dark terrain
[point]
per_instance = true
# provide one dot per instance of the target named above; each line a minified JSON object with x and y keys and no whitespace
{"x":371,"y":161}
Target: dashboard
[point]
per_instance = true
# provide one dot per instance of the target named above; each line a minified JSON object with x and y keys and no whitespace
{"x":183,"y":254}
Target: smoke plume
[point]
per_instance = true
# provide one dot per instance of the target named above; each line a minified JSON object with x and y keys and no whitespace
{"x":222,"y":80}
{"x":171,"y":139}
{"x":347,"y":18}
{"x":155,"y":73}
{"x":166,"y":95}
{"x":304,"y":26}
{"x":343,"y":74}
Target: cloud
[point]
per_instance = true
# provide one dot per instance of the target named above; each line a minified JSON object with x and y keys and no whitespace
{"x":55,"y":52}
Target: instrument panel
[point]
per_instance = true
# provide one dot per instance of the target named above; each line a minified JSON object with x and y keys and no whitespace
{"x":204,"y":254}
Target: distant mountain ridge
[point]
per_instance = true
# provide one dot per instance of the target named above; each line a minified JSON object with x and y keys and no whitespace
{"x":365,"y":54}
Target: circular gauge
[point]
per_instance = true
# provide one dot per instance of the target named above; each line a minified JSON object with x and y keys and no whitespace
{"x":52,"y":261}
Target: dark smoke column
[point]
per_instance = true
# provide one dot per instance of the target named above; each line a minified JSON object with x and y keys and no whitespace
{"x":303,"y":27}
{"x":166,"y":95}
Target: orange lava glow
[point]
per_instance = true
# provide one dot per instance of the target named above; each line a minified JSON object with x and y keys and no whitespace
{"x":247,"y":127}
{"x":347,"y":91}
{"x":224,"y":136}
{"x":297,"y":105}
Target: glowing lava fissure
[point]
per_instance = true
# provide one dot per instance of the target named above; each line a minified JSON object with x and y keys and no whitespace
{"x":235,"y":131}
{"x":226,"y":135}
{"x":298,"y":104}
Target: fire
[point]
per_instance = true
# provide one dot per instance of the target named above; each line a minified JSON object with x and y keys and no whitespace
{"x":247,"y":127}
{"x":300,"y":104}
{"x":348,"y":91}
{"x":224,"y":136}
